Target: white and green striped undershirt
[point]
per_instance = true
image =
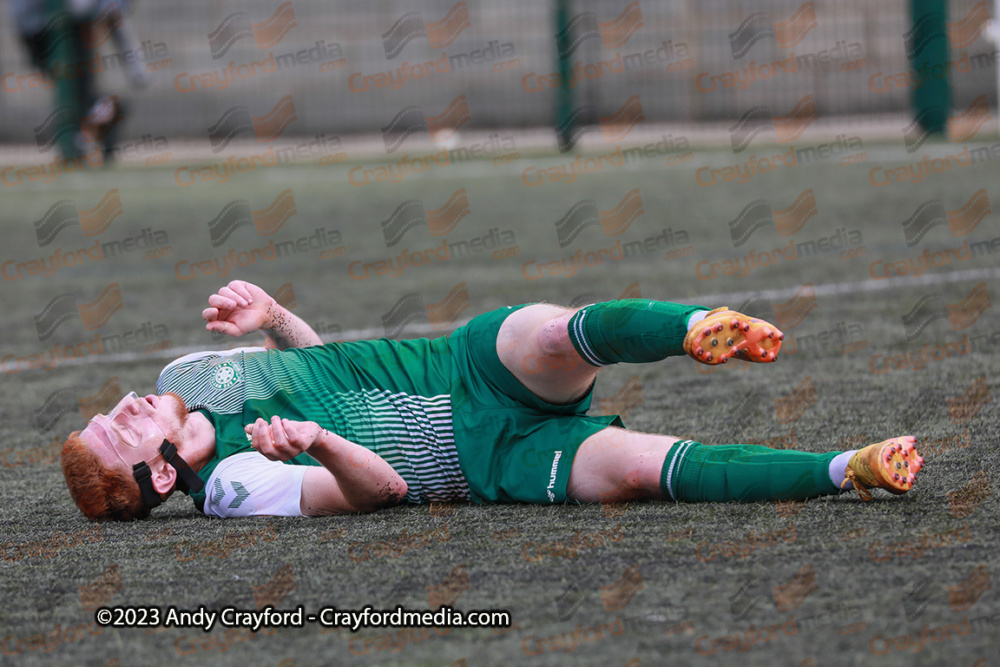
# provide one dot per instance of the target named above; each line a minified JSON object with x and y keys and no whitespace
{"x":391,"y":402}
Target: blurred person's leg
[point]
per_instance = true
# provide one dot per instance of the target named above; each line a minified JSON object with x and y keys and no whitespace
{"x":59,"y":47}
{"x":115,"y":13}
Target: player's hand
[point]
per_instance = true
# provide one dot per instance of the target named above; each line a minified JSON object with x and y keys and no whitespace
{"x":282,"y":439}
{"x":238,"y":308}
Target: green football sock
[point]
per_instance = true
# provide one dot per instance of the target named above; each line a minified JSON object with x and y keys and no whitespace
{"x":722,"y":473}
{"x":633,"y":331}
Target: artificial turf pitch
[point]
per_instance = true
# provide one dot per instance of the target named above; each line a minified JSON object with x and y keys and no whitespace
{"x":904,"y":580}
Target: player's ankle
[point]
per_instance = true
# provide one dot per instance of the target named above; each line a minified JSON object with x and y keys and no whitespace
{"x":696,"y":317}
{"x":838,"y":470}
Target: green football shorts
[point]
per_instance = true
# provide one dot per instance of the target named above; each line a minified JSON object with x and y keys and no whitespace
{"x":512,"y":445}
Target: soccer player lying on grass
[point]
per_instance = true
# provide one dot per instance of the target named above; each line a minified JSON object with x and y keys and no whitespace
{"x":495,"y":412}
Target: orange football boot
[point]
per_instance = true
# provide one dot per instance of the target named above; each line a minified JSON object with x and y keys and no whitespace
{"x":891,"y":465}
{"x":724,"y":334}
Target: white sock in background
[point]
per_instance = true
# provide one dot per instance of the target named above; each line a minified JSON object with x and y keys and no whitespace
{"x":838,"y":466}
{"x":696,"y":317}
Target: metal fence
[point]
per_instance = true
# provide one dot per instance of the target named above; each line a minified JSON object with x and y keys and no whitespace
{"x":351,"y":66}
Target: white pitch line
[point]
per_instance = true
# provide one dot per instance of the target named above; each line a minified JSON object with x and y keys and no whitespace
{"x":869,"y":285}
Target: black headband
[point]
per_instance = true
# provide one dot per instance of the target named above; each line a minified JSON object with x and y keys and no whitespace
{"x":187,"y":479}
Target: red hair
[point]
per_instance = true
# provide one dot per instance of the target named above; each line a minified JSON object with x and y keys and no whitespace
{"x":101,"y":493}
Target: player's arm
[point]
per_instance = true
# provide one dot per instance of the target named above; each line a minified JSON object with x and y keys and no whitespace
{"x":241,"y":308}
{"x":352,"y":479}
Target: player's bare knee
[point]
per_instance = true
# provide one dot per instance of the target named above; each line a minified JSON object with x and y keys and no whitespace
{"x":634,"y":476}
{"x":622,"y":483}
{"x":641,"y":462}
{"x":530,"y":331}
{"x":552,"y":338}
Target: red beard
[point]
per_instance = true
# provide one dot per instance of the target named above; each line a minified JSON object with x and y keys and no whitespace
{"x":180,"y":411}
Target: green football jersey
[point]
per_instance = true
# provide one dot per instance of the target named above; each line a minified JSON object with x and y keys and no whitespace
{"x":392,"y":397}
